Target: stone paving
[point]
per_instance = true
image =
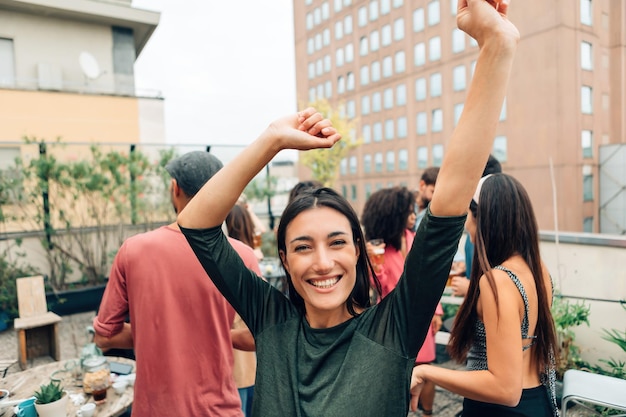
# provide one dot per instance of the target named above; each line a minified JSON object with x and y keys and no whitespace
{"x":73,"y":335}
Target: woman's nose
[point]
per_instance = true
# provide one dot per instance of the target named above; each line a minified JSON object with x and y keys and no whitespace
{"x":323,"y":260}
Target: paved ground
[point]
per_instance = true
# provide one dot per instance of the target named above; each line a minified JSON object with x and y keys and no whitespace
{"x":73,"y":336}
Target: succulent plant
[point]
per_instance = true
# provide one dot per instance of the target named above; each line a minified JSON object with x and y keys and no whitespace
{"x":49,"y":393}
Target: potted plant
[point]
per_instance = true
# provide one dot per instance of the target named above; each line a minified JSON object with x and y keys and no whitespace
{"x":51,"y":400}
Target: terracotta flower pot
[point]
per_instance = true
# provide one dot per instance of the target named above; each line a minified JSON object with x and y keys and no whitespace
{"x":54,"y":409}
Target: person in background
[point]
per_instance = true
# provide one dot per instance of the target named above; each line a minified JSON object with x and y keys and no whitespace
{"x":389,"y":215}
{"x":460,"y":284}
{"x":302,"y":186}
{"x":240,"y":226}
{"x":425,"y":193}
{"x":180,"y":323}
{"x":504,"y":328}
{"x":320,"y":350}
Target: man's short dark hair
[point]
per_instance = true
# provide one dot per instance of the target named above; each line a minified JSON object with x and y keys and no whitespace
{"x":192,"y":170}
{"x":429,"y":176}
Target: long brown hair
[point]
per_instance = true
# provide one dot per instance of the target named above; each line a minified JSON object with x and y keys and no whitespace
{"x":240,"y":225}
{"x":505,"y":226}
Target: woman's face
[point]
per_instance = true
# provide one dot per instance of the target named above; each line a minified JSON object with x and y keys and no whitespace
{"x":470,"y":226}
{"x":321,"y":259}
{"x":410,"y":222}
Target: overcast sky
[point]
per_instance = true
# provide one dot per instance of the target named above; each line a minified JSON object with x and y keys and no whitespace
{"x":225,"y":68}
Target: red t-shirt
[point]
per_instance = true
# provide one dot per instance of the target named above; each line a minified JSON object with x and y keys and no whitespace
{"x":180,"y":326}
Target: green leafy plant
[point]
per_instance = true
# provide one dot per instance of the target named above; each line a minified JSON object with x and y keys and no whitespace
{"x":567,"y":316}
{"x":49,"y":393}
{"x":11,"y":269}
{"x":615,"y":367}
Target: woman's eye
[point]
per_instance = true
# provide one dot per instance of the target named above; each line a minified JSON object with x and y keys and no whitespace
{"x":300,"y":248}
{"x":339,"y":242}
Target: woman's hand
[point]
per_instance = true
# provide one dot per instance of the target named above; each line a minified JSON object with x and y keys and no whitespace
{"x":307,"y":129}
{"x":417,"y":383}
{"x":486,"y":19}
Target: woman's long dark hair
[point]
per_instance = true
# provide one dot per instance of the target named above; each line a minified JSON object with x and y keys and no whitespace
{"x":327,"y":197}
{"x":385,"y":215}
{"x":505,"y":226}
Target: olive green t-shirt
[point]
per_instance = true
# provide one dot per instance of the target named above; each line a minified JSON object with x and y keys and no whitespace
{"x":359,"y":368}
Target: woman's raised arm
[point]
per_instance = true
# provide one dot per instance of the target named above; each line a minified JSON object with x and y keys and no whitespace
{"x":302,"y":131}
{"x":472,"y":140}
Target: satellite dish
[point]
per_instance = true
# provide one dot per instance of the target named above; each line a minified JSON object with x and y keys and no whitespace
{"x":89,"y":65}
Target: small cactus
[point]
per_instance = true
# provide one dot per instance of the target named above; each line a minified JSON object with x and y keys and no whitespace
{"x":49,"y":393}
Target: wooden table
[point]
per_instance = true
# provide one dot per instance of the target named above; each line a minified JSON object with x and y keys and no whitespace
{"x":23,"y":384}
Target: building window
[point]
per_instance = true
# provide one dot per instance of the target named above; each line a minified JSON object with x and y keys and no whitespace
{"x":378,"y":132}
{"x":391,"y":161}
{"x":338,"y":5}
{"x":365,"y":75}
{"x":422,"y":123}
{"x":367,"y":163}
{"x":310,"y":46}
{"x":588,"y":225}
{"x":400,"y":62}
{"x":403,"y":160}
{"x":586,"y":56}
{"x":349,"y":52}
{"x":586,"y":12}
{"x":339,"y":57}
{"x":458,"y":78}
{"x":385,"y":7}
{"x":586,"y":100}
{"x":401,"y":95}
{"x":397,"y":3}
{"x":311,"y":71}
{"x":375,"y":71}
{"x":458,"y":40}
{"x":362,"y":13}
{"x":500,"y":148}
{"x":328,"y":88}
{"x":389,"y":129}
{"x":373,"y":10}
{"x":341,"y":85}
{"x":388,"y":98}
{"x":347,"y":25}
{"x":363,"y":46}
{"x":319,"y":67}
{"x":350,"y":82}
{"x":343,"y":167}
{"x":367,"y":134}
{"x":588,"y":187}
{"x":435,"y":84}
{"x":318,"y":41}
{"x":458,"y":110}
{"x":354,"y":192}
{"x":320,"y":90}
{"x":351,"y":109}
{"x":327,"y":63}
{"x":437,"y":155}
{"x":368,"y":191}
{"x":434,"y":48}
{"x":365,"y":105}
{"x":385,"y":33}
{"x":312,"y":96}
{"x":376,"y":102}
{"x":374,"y":41}
{"x":433,"y":13}
{"x":317,"y":16}
{"x":326,"y":37}
{"x":402,"y":127}
{"x":378,"y":162}
{"x":420,"y":89}
{"x":387,"y":67}
{"x":586,"y":142}
{"x":418,"y":20}
{"x":437,"y":123}
{"x":353,"y":165}
{"x":422,"y":157}
{"x":420,"y":54}
{"x":309,"y":21}
{"x":325,"y":11}
{"x":344,"y":191}
{"x":398,"y":29}
{"x":339,"y":30}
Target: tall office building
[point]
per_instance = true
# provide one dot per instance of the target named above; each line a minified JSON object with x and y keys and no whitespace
{"x":400,"y":69}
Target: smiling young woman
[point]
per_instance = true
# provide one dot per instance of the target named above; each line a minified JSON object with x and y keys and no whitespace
{"x":326,"y":351}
